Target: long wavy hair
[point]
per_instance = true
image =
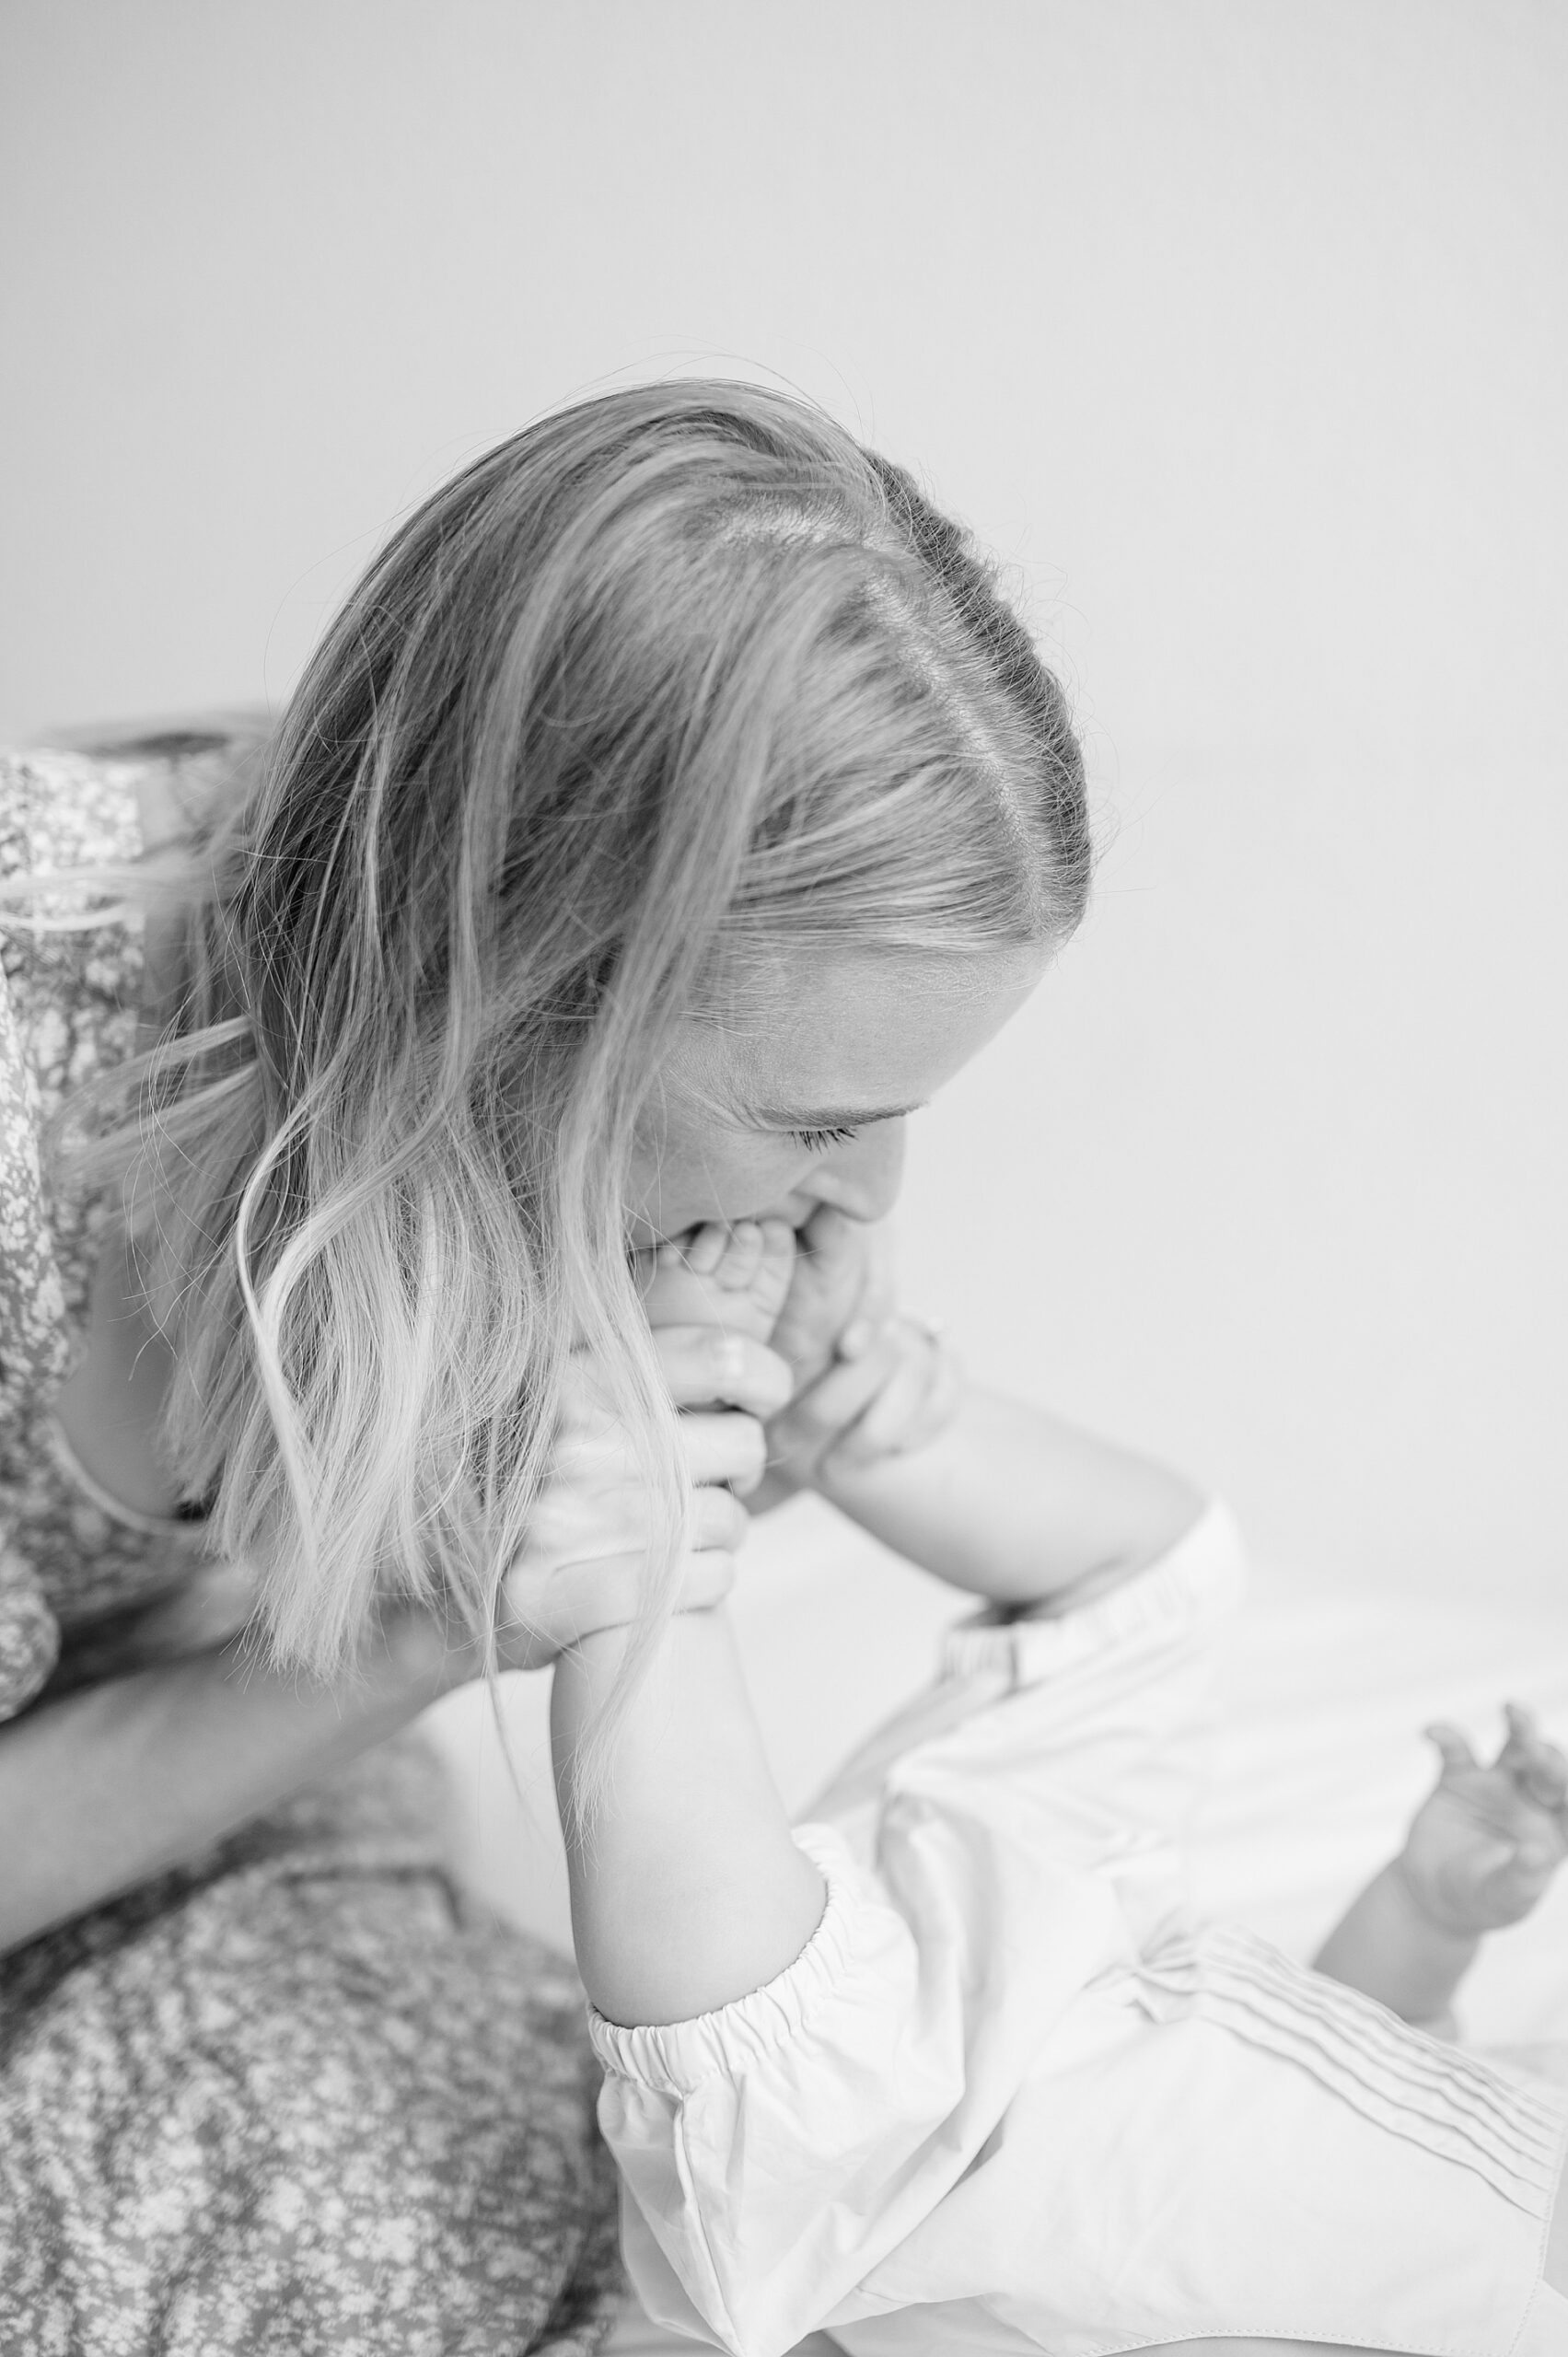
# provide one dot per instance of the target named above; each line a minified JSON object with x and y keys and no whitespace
{"x":674,"y":679}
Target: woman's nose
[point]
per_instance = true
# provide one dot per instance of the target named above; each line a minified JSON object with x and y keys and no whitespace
{"x":863,"y":1177}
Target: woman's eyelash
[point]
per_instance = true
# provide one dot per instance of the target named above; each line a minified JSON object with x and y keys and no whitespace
{"x":817,"y":1141}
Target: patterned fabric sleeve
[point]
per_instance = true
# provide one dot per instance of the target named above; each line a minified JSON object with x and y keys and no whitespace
{"x":57,"y":812}
{"x":34,"y":1341}
{"x":33,"y":1346}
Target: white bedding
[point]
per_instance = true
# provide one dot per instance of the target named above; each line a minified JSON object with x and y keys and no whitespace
{"x":1318,"y":1755}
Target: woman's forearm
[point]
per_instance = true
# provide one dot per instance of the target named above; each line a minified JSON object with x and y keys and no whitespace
{"x":688,"y":1890}
{"x":1012,"y":1503}
{"x":107,"y":1787}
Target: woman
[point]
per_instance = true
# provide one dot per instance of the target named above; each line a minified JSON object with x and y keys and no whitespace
{"x":673,"y":805}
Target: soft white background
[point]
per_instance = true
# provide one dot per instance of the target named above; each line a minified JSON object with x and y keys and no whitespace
{"x":1236,"y":326}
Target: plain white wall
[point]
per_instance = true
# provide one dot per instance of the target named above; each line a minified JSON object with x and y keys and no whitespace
{"x":1236,"y":326}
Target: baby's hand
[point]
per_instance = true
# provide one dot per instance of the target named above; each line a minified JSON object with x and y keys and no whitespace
{"x":841,"y":1287}
{"x":871,"y":1388}
{"x":1486,"y":1843}
{"x":896,"y":1395}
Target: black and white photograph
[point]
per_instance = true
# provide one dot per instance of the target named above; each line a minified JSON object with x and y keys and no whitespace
{"x":783,"y":1177}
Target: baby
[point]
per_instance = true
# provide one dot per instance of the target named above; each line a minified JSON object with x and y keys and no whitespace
{"x":950,"y":2067}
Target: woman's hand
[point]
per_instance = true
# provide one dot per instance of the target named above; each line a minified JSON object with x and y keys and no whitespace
{"x":584,"y":1567}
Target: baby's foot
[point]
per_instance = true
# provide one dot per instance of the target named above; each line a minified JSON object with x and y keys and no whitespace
{"x":834,"y":1297}
{"x":1486,"y":1843}
{"x":735,"y":1277}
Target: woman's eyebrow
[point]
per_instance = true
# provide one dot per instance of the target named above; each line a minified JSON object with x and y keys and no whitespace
{"x":833,"y":1117}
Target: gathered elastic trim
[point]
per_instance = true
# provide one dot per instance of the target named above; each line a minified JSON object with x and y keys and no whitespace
{"x":1201,"y":1579}
{"x":676,"y":2057}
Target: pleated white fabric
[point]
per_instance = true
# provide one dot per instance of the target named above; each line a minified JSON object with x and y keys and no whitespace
{"x":1010,"y":2098}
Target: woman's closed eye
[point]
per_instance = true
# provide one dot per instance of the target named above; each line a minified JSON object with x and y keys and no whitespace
{"x":818,"y":1141}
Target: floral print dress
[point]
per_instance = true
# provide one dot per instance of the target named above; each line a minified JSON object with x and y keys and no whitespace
{"x":299,"y":2094}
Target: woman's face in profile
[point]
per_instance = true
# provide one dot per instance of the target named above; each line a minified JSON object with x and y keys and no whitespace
{"x":804,"y":1102}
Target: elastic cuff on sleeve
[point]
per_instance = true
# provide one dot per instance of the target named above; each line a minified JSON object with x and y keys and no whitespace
{"x":1198,"y":1580}
{"x":676,"y":2057}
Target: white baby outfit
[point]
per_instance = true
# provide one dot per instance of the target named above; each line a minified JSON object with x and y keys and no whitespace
{"x":1010,"y":2098}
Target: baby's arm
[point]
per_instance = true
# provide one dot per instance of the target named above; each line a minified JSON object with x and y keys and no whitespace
{"x":994,"y":1496}
{"x":1480,"y":1850}
{"x":1015,"y":1505}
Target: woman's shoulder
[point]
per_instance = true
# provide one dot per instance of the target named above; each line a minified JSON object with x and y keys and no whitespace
{"x":76,"y":958}
{"x":71,"y":960}
{"x":61,"y":810}
{"x":80,"y":957}
{"x":98,"y":797}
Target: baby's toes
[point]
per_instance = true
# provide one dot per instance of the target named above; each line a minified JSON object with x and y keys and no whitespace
{"x":676,"y":1278}
{"x":741,"y":1258}
{"x":703,"y":1249}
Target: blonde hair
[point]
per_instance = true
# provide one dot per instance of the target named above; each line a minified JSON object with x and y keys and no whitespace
{"x":673,"y":678}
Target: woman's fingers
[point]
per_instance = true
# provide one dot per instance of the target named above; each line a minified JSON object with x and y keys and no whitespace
{"x":706,"y":1577}
{"x":593,"y":1458}
{"x":534,"y":1624}
{"x":718,"y":1519}
{"x":721,"y":1444}
{"x":704,"y":1364}
{"x":569,"y":1526}
{"x":584,"y":1564}
{"x":589,"y":1507}
{"x":537,"y":1617}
